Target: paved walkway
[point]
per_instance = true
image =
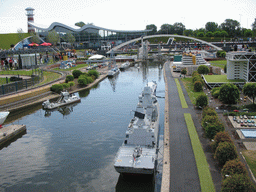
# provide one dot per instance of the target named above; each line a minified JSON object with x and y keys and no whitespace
{"x":183,"y":169}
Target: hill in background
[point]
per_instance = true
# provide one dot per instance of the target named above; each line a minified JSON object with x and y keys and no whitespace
{"x":6,"y":40}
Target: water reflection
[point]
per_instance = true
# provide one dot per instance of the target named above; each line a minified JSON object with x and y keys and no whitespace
{"x":135,"y":183}
{"x":65,"y":110}
{"x":113,"y":81}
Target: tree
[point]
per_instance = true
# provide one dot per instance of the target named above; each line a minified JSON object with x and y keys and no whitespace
{"x":209,"y":119}
{"x":208,"y":111}
{"x":21,"y":35}
{"x":248,"y":33}
{"x":232,"y":27}
{"x":221,"y":136}
{"x":53,"y":37}
{"x":202,"y":101}
{"x":224,"y":33}
{"x":153,"y":27}
{"x":80,"y":24}
{"x":254,"y":27}
{"x":184,"y":72}
{"x":211,"y":26}
{"x":200,"y":34}
{"x":209,"y":34}
{"x":76,"y":73}
{"x":179,"y":28}
{"x":212,"y":129}
{"x":188,"y":32}
{"x":166,"y":29}
{"x":198,"y":86}
{"x":34,"y":38}
{"x":69,"y":38}
{"x":229,"y":93}
{"x":203,"y":69}
{"x":225,"y":151}
{"x":237,"y":183}
{"x":71,"y":84}
{"x":249,"y":90}
{"x":217,"y":34}
{"x":232,"y":167}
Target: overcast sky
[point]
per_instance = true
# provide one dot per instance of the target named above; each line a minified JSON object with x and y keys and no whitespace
{"x":125,"y":15}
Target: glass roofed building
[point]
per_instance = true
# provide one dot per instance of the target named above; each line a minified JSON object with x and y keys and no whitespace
{"x":90,"y":36}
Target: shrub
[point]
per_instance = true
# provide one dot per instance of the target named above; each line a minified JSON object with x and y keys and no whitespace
{"x":65,"y":85}
{"x":89,"y":79}
{"x":94,"y":73}
{"x":237,"y":183}
{"x":202,"y":101}
{"x":82,"y":80}
{"x":71,"y":83}
{"x":57,"y":88}
{"x":225,"y":68}
{"x":203,"y":69}
{"x":195,"y":73}
{"x":198,"y":86}
{"x":208,"y":119}
{"x":69,"y":78}
{"x":76,"y":73}
{"x":213,"y":128}
{"x":216,"y":94}
{"x":221,"y":136}
{"x":197,"y":78}
{"x":209,"y":111}
{"x":225,"y":151}
{"x":233,"y":167}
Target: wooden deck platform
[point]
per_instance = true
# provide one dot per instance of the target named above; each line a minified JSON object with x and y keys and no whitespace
{"x":11,"y":131}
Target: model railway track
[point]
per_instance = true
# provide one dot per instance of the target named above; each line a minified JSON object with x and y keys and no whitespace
{"x":25,"y":102}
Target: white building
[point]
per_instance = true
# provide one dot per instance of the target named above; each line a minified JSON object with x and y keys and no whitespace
{"x":241,"y":65}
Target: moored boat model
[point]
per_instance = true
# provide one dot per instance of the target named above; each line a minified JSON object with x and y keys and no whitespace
{"x":64,"y":99}
{"x":3,"y":116}
{"x":125,"y":65}
{"x":113,"y":72}
{"x":138,"y":153}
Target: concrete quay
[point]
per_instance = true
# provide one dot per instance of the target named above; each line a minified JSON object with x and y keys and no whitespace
{"x":10,"y":132}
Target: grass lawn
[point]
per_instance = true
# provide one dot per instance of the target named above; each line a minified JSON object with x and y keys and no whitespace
{"x":250,"y":157}
{"x":181,"y":95}
{"x":219,"y":63}
{"x":72,"y":68}
{"x":49,"y":76}
{"x":201,"y":162}
{"x":16,"y":72}
{"x":187,"y":82}
{"x":3,"y":81}
{"x":220,"y":79}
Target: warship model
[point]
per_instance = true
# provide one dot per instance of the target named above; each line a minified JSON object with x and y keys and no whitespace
{"x":138,"y":153}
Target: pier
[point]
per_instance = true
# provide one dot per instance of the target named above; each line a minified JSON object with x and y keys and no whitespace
{"x":10,"y":132}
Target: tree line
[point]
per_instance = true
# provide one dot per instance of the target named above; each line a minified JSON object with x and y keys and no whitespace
{"x":229,"y":28}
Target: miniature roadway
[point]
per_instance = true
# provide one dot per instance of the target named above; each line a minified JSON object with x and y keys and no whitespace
{"x":183,"y":174}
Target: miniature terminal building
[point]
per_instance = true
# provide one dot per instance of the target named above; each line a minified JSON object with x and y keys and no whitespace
{"x":241,"y":65}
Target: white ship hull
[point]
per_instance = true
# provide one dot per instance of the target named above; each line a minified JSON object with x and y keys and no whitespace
{"x":138,"y":154}
{"x":3,"y":116}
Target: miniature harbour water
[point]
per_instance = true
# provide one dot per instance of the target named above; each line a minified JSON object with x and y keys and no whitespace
{"x":73,"y":149}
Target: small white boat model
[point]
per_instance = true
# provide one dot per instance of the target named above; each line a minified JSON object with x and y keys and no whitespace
{"x":65,"y":99}
{"x":113,"y":72}
{"x":3,"y":116}
{"x":125,"y":65}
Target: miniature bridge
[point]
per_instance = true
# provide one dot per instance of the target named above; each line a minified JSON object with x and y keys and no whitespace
{"x":164,"y":35}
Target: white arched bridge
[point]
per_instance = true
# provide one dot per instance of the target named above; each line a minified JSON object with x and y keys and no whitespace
{"x":164,"y":35}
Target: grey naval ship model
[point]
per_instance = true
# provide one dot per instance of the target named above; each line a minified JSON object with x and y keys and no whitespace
{"x":138,"y":153}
